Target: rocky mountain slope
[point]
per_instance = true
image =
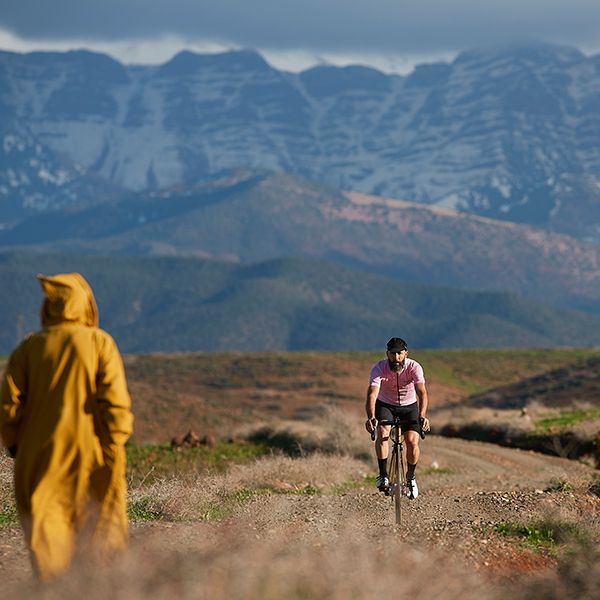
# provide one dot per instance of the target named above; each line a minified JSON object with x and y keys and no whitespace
{"x":510,"y":133}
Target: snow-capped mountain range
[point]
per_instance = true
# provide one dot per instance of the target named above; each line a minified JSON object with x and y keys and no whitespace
{"x":511,"y":133}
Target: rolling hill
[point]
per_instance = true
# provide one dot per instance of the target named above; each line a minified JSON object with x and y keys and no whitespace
{"x":572,"y":386}
{"x":168,"y":304}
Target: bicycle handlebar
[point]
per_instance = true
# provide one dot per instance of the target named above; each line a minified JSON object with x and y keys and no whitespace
{"x":397,"y":422}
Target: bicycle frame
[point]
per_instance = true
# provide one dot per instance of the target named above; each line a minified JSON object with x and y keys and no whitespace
{"x":397,"y":467}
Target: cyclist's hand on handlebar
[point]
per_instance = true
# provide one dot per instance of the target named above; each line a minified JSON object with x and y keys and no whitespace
{"x":371,"y":425}
{"x":425,"y":425}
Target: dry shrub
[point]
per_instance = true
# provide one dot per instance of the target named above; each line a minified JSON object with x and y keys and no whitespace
{"x":514,"y":422}
{"x":332,"y":431}
{"x":348,"y":566}
{"x":579,"y":525}
{"x":318,"y":470}
{"x":190,"y":498}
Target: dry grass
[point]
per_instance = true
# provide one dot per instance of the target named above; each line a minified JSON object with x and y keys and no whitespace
{"x":348,"y":566}
{"x":233,"y":563}
{"x":214,"y":496}
{"x":218,"y":560}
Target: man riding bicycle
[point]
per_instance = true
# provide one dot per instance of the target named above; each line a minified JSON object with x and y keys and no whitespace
{"x":397,"y":389}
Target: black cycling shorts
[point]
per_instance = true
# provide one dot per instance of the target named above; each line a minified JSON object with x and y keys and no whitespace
{"x":408,"y":414}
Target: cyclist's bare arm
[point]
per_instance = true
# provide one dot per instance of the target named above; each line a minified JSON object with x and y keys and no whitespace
{"x":423,"y":404}
{"x":372,"y":393}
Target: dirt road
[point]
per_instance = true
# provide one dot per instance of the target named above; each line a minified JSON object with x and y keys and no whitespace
{"x":466,"y":489}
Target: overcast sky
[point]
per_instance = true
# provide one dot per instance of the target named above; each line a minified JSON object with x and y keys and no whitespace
{"x":391,"y":35}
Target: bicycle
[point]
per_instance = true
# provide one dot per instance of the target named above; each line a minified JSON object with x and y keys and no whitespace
{"x":397,"y":467}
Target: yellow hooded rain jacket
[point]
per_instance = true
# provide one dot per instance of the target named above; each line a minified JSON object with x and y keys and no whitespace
{"x":65,"y":415}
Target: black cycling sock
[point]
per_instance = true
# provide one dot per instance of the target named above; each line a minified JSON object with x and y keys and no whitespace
{"x":382,"y":467}
{"x":410,"y":471}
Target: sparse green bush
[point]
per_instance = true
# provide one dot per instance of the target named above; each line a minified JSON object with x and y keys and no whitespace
{"x":8,"y":515}
{"x":142,"y":510}
{"x":545,"y":533}
{"x":436,"y":471}
{"x":309,"y":490}
{"x":227,"y":503}
{"x":532,"y":535}
{"x":566,"y":419}
{"x":353,"y":484}
{"x":559,"y":485}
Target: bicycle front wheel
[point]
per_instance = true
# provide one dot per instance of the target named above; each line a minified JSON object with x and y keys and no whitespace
{"x":397,"y":484}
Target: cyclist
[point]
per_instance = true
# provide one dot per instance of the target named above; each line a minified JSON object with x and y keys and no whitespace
{"x":397,"y":389}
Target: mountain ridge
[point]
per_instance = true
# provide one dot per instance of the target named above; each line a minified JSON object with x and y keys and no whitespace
{"x":259,"y":217}
{"x":510,"y":134}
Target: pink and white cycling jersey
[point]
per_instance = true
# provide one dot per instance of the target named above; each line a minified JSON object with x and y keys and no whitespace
{"x":397,"y":388}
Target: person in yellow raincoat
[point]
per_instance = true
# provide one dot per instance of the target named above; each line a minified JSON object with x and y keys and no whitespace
{"x":65,"y":415}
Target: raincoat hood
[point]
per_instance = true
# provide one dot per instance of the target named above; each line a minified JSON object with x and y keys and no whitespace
{"x":68,"y":298}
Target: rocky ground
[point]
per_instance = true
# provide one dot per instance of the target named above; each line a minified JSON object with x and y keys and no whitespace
{"x":473,"y":487}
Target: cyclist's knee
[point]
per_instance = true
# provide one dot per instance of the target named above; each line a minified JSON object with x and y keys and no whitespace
{"x":412,"y":440}
{"x":383,"y":433}
{"x":382,"y":444}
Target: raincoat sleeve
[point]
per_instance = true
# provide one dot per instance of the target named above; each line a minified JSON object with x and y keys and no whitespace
{"x":113,"y":405}
{"x":13,"y":394}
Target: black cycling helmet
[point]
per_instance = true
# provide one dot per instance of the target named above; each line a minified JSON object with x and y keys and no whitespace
{"x":396,"y":344}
